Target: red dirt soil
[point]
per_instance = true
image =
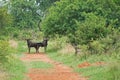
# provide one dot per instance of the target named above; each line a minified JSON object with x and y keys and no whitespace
{"x":58,"y":72}
{"x":87,"y":64}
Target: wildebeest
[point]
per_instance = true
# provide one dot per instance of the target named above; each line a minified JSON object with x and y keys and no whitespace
{"x":44,"y":43}
{"x":36,"y":45}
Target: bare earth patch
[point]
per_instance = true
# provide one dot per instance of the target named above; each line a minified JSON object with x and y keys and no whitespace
{"x":87,"y":64}
{"x":58,"y":72}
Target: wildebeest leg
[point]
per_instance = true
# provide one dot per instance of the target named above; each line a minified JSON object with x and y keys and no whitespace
{"x":29,"y":49}
{"x":45,"y":48}
{"x":37,"y":49}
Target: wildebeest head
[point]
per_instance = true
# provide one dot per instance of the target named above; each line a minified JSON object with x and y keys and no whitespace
{"x":45,"y":39}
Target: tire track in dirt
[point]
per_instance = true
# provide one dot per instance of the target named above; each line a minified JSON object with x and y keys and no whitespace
{"x":58,"y":72}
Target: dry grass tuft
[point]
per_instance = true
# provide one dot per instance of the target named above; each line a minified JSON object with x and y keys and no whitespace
{"x":4,"y":75}
{"x":67,"y":49}
{"x":13,"y":43}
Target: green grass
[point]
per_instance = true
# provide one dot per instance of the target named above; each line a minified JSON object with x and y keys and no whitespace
{"x":11,"y":66}
{"x":15,"y":69}
{"x":22,"y":47}
{"x":39,"y":64}
{"x":94,"y":72}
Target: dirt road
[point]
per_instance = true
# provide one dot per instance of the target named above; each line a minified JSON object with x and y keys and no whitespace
{"x":58,"y":72}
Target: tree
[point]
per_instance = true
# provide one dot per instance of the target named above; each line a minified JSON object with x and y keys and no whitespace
{"x":24,"y":13}
{"x":28,"y":13}
{"x":110,"y":9}
{"x":45,"y":4}
{"x":92,"y":29}
{"x":93,"y":17}
{"x":5,"y":18}
{"x":60,"y":18}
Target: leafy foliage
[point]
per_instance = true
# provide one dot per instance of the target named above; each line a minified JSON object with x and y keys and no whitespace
{"x":4,"y":51}
{"x":111,"y":42}
{"x":24,"y":13}
{"x":5,"y":18}
{"x":90,"y":29}
{"x":28,"y":13}
{"x":60,"y":19}
{"x":45,"y":4}
{"x":81,"y":21}
{"x":62,"y":16}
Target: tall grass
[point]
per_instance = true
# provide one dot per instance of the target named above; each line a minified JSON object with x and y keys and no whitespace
{"x":113,"y":71}
{"x":15,"y":69}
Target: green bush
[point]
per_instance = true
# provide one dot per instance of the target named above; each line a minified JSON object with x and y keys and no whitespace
{"x":96,"y":47}
{"x":109,"y":44}
{"x":56,"y":43}
{"x":112,"y":42}
{"x":4,"y":51}
{"x":91,"y":29}
{"x":3,"y":37}
{"x":15,"y":68}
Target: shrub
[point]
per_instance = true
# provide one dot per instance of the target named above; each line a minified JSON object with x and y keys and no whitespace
{"x":109,"y":44}
{"x":112,"y":42}
{"x":96,"y":47}
{"x":4,"y":51}
{"x":91,"y":29}
{"x":56,"y":43}
{"x":89,"y":32}
{"x":13,"y":67}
